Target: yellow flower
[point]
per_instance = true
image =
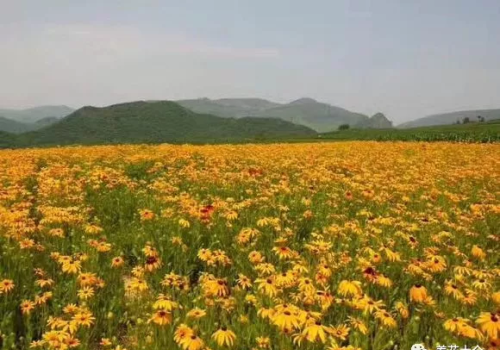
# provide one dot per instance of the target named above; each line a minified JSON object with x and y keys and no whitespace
{"x":224,"y":337}
{"x":358,"y":324}
{"x":286,"y":319}
{"x":193,"y":342}
{"x":418,"y":293}
{"x":165,"y":302}
{"x":27,"y":306}
{"x":72,"y":267}
{"x":496,"y":297}
{"x":489,"y":323}
{"x":385,"y":318}
{"x":117,"y":261}
{"x":84,"y":318}
{"x":267,"y":286}
{"x":161,"y":317}
{"x":340,"y":332}
{"x":478,"y":252}
{"x":86,"y":293}
{"x":196,"y":313}
{"x":315,"y":332}
{"x":6,"y":286}
{"x":184,"y":223}
{"x":263,"y":342}
{"x":349,"y":288}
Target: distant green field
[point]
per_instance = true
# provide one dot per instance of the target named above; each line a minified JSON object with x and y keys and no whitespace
{"x":473,"y":132}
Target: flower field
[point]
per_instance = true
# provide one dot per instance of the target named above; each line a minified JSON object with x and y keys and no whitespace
{"x":353,"y":245}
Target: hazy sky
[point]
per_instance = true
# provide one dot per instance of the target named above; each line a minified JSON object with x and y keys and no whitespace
{"x":406,"y":58}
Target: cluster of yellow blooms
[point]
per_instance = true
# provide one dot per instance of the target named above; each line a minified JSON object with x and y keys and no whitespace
{"x":332,"y":246}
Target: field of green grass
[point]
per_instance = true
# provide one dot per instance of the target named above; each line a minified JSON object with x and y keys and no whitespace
{"x":473,"y":132}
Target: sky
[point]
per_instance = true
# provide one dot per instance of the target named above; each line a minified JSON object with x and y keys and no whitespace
{"x":407,"y":59}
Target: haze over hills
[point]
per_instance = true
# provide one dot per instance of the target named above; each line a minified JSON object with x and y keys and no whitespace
{"x":12,"y":126}
{"x":376,"y":121}
{"x":19,"y":121}
{"x":316,"y":115}
{"x":15,"y":127}
{"x":452,"y":118}
{"x":155,"y":121}
{"x":32,"y":115}
{"x":228,"y":107}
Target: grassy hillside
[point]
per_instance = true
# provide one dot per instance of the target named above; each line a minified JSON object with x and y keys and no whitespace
{"x":15,"y":127}
{"x":32,"y":115}
{"x":319,"y":116}
{"x":377,"y":121}
{"x":228,"y":107}
{"x":12,"y":126}
{"x":155,"y":122}
{"x":451,"y":118}
{"x":7,"y":140}
{"x":473,"y":132}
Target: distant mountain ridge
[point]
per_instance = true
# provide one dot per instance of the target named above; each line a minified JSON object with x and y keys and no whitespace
{"x":155,"y":122}
{"x":228,"y":107}
{"x":32,"y":115}
{"x":377,"y":121}
{"x":19,"y":121}
{"x":452,"y":118}
{"x":319,"y":116}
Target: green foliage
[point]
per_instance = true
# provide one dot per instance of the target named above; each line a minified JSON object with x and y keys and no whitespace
{"x":344,"y":127}
{"x":451,"y":118}
{"x":472,"y":132}
{"x":7,"y":140}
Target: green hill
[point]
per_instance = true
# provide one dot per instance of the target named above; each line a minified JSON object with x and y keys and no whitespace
{"x":228,"y":107}
{"x":12,"y":126}
{"x":319,"y":116}
{"x":377,"y":121}
{"x":155,"y":122}
{"x":15,"y":127}
{"x":7,"y":140}
{"x":451,"y":118}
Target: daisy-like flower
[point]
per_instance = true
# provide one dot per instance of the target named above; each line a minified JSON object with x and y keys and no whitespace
{"x":196,"y":313}
{"x":6,"y":286}
{"x":161,"y":317}
{"x":315,"y":332}
{"x":224,"y":337}
{"x":489,"y":323}
{"x":349,"y":288}
{"x":418,"y":293}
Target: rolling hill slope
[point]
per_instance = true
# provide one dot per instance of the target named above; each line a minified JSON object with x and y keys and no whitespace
{"x":377,"y":121}
{"x":15,"y":127}
{"x":12,"y":126}
{"x":228,"y":107}
{"x":158,"y":121}
{"x":319,"y":116}
{"x":451,"y":118}
{"x":32,"y":115}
